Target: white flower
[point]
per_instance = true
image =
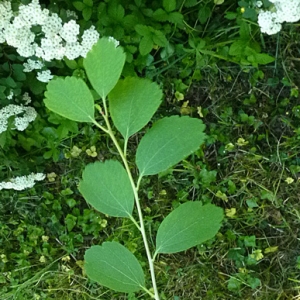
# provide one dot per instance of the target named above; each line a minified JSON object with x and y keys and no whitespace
{"x":259,"y":4}
{"x":44,"y":76}
{"x":71,"y":14}
{"x":283,"y":11}
{"x":21,"y":123}
{"x":26,"y":98}
{"x":73,"y":50}
{"x":32,"y":65}
{"x":5,"y":15}
{"x":268,"y":22}
{"x":22,"y":182}
{"x":58,"y":39}
{"x":32,"y":14}
{"x":10,"y":96}
{"x":287,"y":11}
{"x":111,"y":39}
{"x":51,"y":48}
{"x":52,"y":25}
{"x":89,"y":38}
{"x":70,"y":31}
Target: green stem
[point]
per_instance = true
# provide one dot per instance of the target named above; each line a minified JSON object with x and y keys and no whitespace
{"x":136,"y":197}
{"x":148,"y":292}
{"x":125,"y":147}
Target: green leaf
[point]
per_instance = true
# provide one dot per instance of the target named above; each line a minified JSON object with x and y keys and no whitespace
{"x":253,"y":282}
{"x":190,"y":3}
{"x":70,"y":221}
{"x":169,"y":5}
{"x":160,"y":15}
{"x":245,"y":31}
{"x":104,"y":64}
{"x":71,"y":98}
{"x":204,"y":14}
{"x":146,"y":45}
{"x":88,"y":3}
{"x":87,"y":13}
{"x":133,"y":102}
{"x":114,"y":266}
{"x":238,"y":47}
{"x":188,"y":225}
{"x":116,"y":11}
{"x":159,"y":38}
{"x":263,"y":58}
{"x":170,"y":140}
{"x":175,"y":17}
{"x":79,"y":5}
{"x":143,"y":30}
{"x":105,"y":186}
{"x":18,"y":72}
{"x":3,"y":137}
{"x":234,"y":284}
{"x":72,"y":64}
{"x":250,"y":13}
{"x":2,"y":89}
{"x":10,"y":82}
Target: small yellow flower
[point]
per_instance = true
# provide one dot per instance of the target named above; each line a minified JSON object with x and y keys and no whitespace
{"x":42,"y":259}
{"x":147,"y":210}
{"x":4,"y":258}
{"x":45,"y":238}
{"x":243,"y":270}
{"x":51,"y":176}
{"x":91,"y":152}
{"x":66,"y":258}
{"x":241,"y":142}
{"x":65,"y":268}
{"x":242,"y":10}
{"x":199,"y":111}
{"x":230,"y":212}
{"x":271,"y":249}
{"x":103,"y":223}
{"x":222,"y":196}
{"x":229,"y":147}
{"x":179,"y":96}
{"x":185,"y":108}
{"x":289,"y":180}
{"x":36,"y":297}
{"x":257,"y":255}
{"x":75,"y":151}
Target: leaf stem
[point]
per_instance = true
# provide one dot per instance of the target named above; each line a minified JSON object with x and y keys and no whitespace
{"x":136,"y":197}
{"x":125,"y":147}
{"x":148,"y":292}
{"x":135,"y":222}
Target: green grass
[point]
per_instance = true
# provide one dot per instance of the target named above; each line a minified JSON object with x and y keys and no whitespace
{"x":251,"y":176}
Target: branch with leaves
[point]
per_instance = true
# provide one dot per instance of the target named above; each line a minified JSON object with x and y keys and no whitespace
{"x":109,"y":186}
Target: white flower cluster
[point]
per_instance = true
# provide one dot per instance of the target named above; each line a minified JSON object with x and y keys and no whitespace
{"x":5,"y":15}
{"x":284,"y":11}
{"x":10,"y":96}
{"x":57,"y":39}
{"x":44,"y":76}
{"x":21,"y":123}
{"x":32,"y":65}
{"x":26,"y":98}
{"x":22,"y":182}
{"x":71,"y":14}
